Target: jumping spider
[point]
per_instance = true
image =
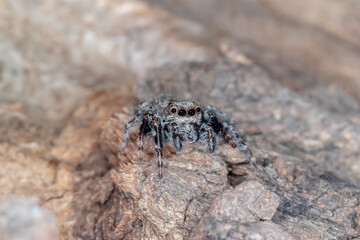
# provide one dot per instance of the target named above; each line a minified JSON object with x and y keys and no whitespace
{"x":170,"y":119}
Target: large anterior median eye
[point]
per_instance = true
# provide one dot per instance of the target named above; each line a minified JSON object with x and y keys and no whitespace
{"x":182,"y":113}
{"x":191,"y":112}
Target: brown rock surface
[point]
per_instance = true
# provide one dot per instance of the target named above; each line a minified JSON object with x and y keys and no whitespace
{"x":159,"y":208}
{"x":293,"y":192}
{"x":314,"y":168}
{"x":236,"y":214}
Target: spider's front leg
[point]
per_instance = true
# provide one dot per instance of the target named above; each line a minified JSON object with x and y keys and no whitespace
{"x":156,"y":123}
{"x":210,"y":136}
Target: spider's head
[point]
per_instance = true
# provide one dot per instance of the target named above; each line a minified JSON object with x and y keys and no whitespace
{"x":187,"y":116}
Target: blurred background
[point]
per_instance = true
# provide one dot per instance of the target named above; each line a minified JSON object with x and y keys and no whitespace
{"x":55,"y":54}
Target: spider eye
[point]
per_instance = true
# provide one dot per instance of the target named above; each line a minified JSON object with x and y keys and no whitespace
{"x":191,"y":112}
{"x":173,"y":110}
{"x":182,"y":113}
{"x":198,"y":109}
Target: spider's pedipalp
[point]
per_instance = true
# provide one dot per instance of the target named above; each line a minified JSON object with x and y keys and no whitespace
{"x":176,"y":137}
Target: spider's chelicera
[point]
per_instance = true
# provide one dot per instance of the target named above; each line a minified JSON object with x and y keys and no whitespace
{"x":173,"y":120}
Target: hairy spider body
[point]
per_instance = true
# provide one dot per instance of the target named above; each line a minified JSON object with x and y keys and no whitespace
{"x":173,"y":120}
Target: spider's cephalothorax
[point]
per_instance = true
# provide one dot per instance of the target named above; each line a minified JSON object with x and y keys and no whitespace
{"x":169,"y":119}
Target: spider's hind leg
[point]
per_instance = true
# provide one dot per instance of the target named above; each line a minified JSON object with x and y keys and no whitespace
{"x":223,"y":125}
{"x":234,"y":140}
